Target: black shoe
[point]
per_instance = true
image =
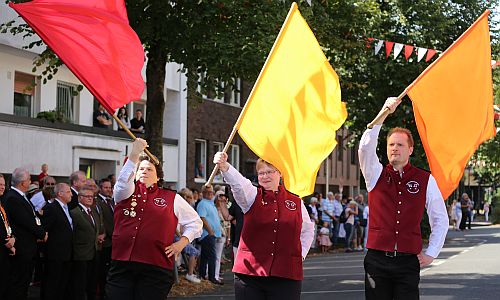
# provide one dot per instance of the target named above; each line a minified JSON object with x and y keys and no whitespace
{"x":218,"y":282}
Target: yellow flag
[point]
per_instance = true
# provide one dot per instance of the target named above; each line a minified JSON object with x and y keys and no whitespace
{"x":452,"y":102}
{"x":294,"y":110}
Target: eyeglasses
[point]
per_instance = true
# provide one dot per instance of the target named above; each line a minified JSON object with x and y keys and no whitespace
{"x":266,"y":173}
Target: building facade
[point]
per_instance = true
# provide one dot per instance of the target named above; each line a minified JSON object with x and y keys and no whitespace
{"x":73,"y":144}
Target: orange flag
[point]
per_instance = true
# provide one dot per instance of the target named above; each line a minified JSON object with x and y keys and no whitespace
{"x":452,"y":102}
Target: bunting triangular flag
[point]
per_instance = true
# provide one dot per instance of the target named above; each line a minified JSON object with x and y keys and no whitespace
{"x":397,"y":49}
{"x":408,"y":51}
{"x":430,"y":54}
{"x":388,"y":48}
{"x":420,"y":53}
{"x":378,"y":46}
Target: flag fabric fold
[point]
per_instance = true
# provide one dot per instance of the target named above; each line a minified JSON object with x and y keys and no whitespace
{"x":95,"y":41}
{"x":294,"y":110}
{"x":452,"y":102}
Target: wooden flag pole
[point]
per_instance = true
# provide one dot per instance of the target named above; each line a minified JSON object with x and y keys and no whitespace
{"x":384,"y":113}
{"x":124,"y":127}
{"x":226,"y":147}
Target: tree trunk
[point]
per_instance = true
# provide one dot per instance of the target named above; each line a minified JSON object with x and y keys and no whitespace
{"x":155,"y":73}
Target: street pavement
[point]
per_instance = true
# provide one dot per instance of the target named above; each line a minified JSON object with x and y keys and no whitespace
{"x":467,"y":268}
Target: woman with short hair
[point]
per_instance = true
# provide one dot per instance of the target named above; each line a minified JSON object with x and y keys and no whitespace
{"x":276,"y":236}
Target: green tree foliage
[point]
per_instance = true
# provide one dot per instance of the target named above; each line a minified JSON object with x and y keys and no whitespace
{"x":229,"y":39}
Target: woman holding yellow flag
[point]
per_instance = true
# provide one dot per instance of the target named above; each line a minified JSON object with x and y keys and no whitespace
{"x":276,"y":236}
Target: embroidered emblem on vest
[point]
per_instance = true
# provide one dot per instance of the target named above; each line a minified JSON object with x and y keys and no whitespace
{"x":160,"y":202}
{"x":290,"y":205}
{"x":412,"y":187}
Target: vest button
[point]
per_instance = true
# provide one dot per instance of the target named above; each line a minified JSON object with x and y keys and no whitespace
{"x":399,"y":212}
{"x":139,"y":219}
{"x":399,"y":193}
{"x":274,"y":230}
{"x":275,"y":210}
{"x":275,"y":220}
{"x":399,"y":182}
{"x":273,"y":243}
{"x":399,"y":202}
{"x":136,"y":227}
{"x":397,"y":232}
{"x":133,"y":237}
{"x":272,"y":254}
{"x":397,"y":222}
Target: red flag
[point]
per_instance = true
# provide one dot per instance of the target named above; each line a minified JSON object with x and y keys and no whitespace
{"x":95,"y":41}
{"x":430,"y":54}
{"x":408,"y":51}
{"x":388,"y":48}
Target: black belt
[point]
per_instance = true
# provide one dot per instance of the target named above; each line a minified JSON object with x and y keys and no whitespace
{"x":391,"y":254}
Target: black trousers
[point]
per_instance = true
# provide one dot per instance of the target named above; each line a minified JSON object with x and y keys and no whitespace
{"x":207,"y":257}
{"x":5,"y":272}
{"x":20,"y":278}
{"x":56,"y":282}
{"x":248,"y":287}
{"x":103,"y":265}
{"x":388,"y":278}
{"x":465,"y":218}
{"x":84,"y":279}
{"x":137,"y":281}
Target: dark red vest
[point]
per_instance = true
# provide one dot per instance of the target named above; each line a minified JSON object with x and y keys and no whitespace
{"x":270,"y":240}
{"x":143,"y":237}
{"x":396,"y":209}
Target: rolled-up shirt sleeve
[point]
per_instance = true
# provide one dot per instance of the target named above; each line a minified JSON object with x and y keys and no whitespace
{"x":438,"y":218}
{"x":306,"y":232}
{"x":244,"y":191}
{"x":368,"y":159}
{"x":124,"y":186}
{"x":190,"y":222}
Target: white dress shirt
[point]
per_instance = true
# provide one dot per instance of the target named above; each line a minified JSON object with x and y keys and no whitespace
{"x":187,"y":217}
{"x":244,"y":193}
{"x":436,"y":209}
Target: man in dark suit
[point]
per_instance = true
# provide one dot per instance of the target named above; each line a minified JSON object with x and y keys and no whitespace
{"x":28,"y":229}
{"x":77,"y":180}
{"x":106,"y":207}
{"x":86,"y":237}
{"x":58,"y":223}
{"x":8,"y":244}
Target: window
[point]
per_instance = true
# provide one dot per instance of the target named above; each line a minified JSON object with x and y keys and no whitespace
{"x":67,"y":101}
{"x":231,"y":96}
{"x":200,"y":160}
{"x":353,"y":154}
{"x":24,"y":94}
{"x":234,"y":156}
{"x":217,"y":147}
{"x":340,"y":148}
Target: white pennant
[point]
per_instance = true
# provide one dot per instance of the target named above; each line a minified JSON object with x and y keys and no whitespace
{"x":397,"y":49}
{"x":379,"y":45}
{"x":420,"y":53}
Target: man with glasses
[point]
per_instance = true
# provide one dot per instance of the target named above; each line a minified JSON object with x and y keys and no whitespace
{"x":86,"y":228}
